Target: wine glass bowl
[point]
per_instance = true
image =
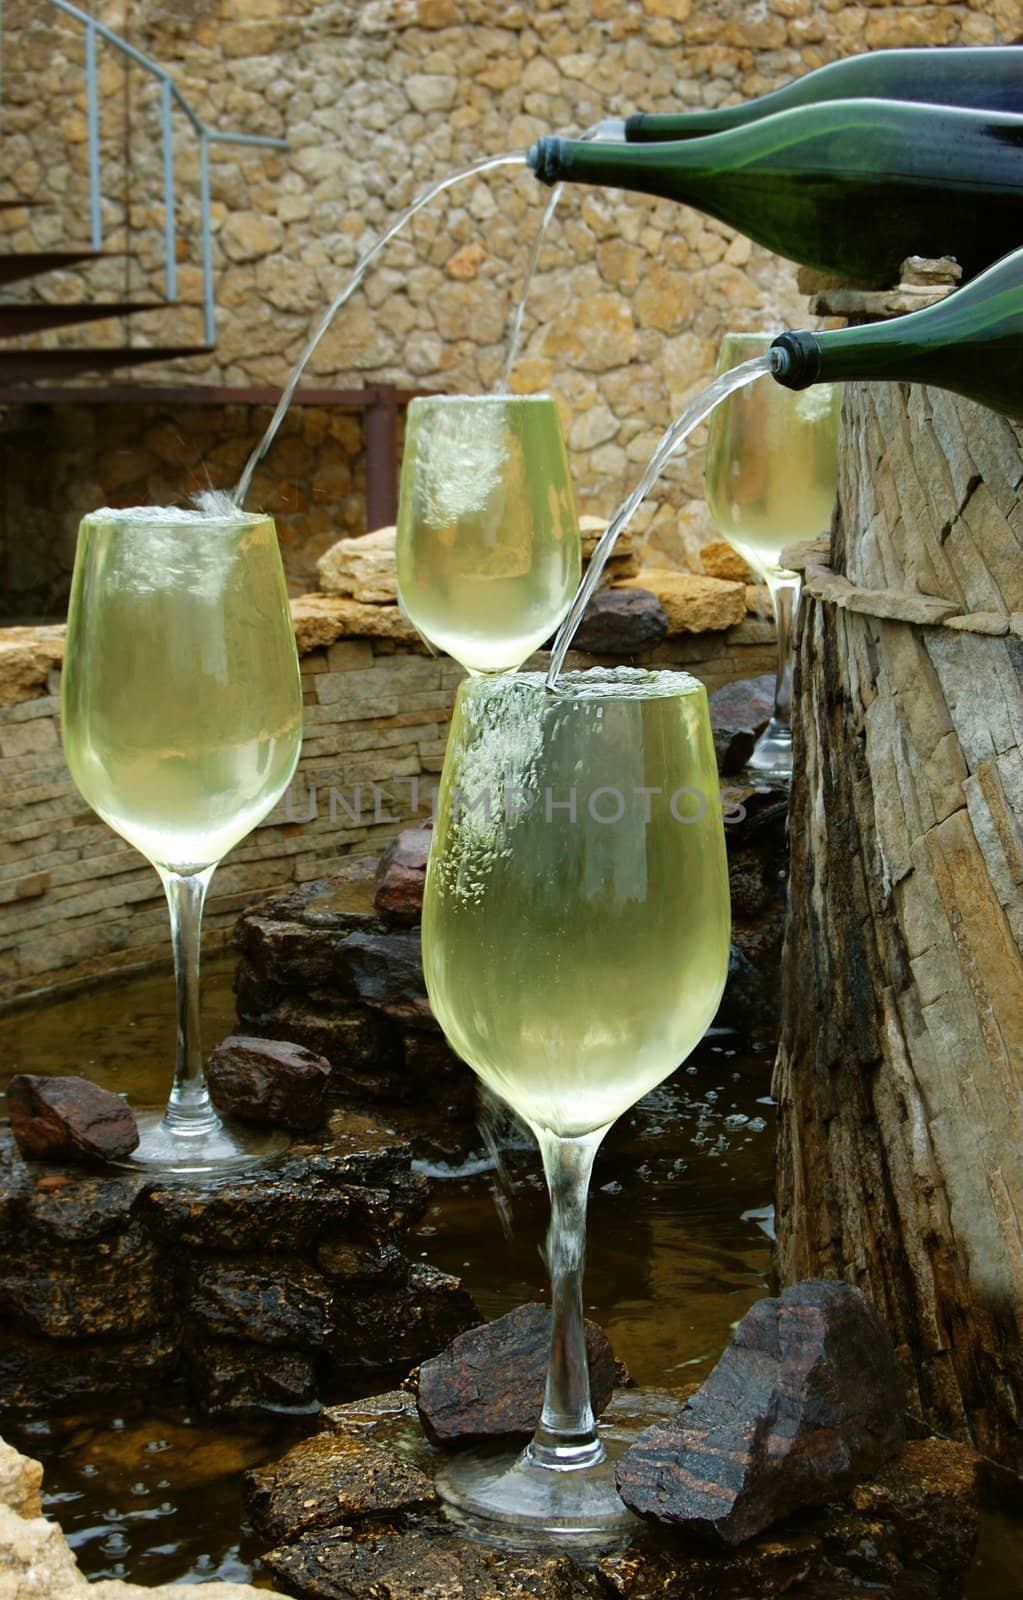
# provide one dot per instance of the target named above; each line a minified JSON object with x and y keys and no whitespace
{"x":771,"y":477}
{"x":181,"y":719}
{"x":488,"y":548}
{"x":576,"y":935}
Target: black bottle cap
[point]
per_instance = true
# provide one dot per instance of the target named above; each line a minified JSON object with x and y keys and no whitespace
{"x":545,"y":159}
{"x":635,"y":124}
{"x":800,"y":359}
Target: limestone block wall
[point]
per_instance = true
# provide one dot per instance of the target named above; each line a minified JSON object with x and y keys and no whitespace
{"x":77,"y":902}
{"x":379,"y":98}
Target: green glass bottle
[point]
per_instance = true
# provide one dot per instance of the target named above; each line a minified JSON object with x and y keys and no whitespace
{"x":978,"y":79}
{"x":851,"y":186}
{"x":971,"y":342}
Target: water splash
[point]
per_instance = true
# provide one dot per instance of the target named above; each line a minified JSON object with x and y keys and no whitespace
{"x":487,"y":164}
{"x":673,"y":439}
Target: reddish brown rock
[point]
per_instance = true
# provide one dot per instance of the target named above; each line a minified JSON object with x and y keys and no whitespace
{"x":69,"y":1119}
{"x":739,"y":713}
{"x":334,"y":1478}
{"x":269,"y":1081}
{"x":489,"y":1382}
{"x":402,"y":874}
{"x":621,"y":622}
{"x":807,"y":1399}
{"x":387,"y":973}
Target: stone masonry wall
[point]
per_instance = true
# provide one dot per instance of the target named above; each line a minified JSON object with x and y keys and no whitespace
{"x":77,"y":902}
{"x":379,"y":99}
{"x":160,"y":453}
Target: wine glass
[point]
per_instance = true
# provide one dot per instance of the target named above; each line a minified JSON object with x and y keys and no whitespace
{"x":182,"y":723}
{"x":576,"y":933}
{"x":772,"y":472}
{"x":488,"y":548}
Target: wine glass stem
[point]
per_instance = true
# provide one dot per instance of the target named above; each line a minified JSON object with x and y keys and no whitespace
{"x":567,"y":1435}
{"x":784,"y":588}
{"x":189,"y":1110}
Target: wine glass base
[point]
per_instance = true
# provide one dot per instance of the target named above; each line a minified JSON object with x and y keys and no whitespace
{"x":510,"y":1501}
{"x":230,"y":1147}
{"x":771,"y":760}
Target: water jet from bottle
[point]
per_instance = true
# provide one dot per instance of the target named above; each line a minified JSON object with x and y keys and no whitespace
{"x":673,"y":439}
{"x":488,"y":164}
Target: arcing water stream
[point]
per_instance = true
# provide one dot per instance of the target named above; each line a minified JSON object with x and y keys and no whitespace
{"x":486,"y":165}
{"x":695,"y":413}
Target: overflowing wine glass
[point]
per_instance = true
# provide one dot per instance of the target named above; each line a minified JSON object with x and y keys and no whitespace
{"x":772,"y":472}
{"x":488,"y":547}
{"x":182,"y":724}
{"x":576,"y":931}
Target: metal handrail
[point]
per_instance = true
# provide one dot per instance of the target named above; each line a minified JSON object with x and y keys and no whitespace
{"x":170,"y":95}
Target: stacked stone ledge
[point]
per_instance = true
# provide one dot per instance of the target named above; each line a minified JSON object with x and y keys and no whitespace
{"x":269,"y":1291}
{"x":77,"y":902}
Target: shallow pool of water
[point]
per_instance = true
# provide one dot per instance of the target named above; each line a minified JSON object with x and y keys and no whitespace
{"x":679,"y":1248}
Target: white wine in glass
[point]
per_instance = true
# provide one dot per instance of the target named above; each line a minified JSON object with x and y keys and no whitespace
{"x":488,"y":546}
{"x":182,"y":723}
{"x":772,"y":472}
{"x":576,"y":934}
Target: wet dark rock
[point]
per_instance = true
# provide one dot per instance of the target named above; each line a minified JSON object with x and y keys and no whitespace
{"x":401,"y":875}
{"x":250,"y":1377}
{"x":69,"y":1119}
{"x":422,"y":1564}
{"x":220,"y":1285}
{"x":807,"y":1398}
{"x":739,"y":713}
{"x":354,"y":1263}
{"x":333,"y":1479}
{"x":114,"y":1287}
{"x":49,"y":1377}
{"x":262,"y":1300}
{"x":378,"y":1413}
{"x":909,"y":1533}
{"x":401,"y":1326}
{"x":79,"y":1209}
{"x":621,"y":622}
{"x":490,"y":1381}
{"x":290,"y":1210}
{"x":387,"y":973}
{"x":276,"y":1083}
{"x":906,"y":1534}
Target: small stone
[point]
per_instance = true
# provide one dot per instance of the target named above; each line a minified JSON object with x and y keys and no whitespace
{"x":269,"y":1081}
{"x":695,"y":604}
{"x":592,"y":530}
{"x":719,"y":559}
{"x":362,"y":569}
{"x":466,"y":262}
{"x":489,"y":1382}
{"x":621,"y":622}
{"x":69,"y":1119}
{"x":739,"y":713}
{"x":334,"y":1478}
{"x":807,"y":1398}
{"x":402,"y":875}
